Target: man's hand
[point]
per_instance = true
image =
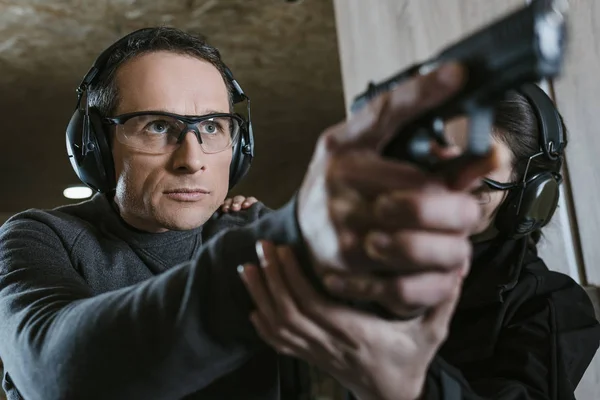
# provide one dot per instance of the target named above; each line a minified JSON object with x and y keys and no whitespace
{"x":238,"y":203}
{"x":375,"y":358}
{"x":361,"y":213}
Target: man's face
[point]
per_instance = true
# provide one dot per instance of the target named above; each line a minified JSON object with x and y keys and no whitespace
{"x":150,"y":188}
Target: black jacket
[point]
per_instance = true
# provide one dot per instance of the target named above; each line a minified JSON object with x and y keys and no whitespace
{"x":520,"y":331}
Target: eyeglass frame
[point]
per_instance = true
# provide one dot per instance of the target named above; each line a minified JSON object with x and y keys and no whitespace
{"x":190,"y":122}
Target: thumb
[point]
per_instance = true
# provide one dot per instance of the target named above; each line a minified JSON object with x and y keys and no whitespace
{"x":382,"y":117}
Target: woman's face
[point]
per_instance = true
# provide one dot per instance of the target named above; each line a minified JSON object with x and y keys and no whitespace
{"x":489,"y":199}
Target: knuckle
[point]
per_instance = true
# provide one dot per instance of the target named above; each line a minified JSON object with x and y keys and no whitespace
{"x":339,"y":167}
{"x":358,"y":286}
{"x":397,"y":294}
{"x":411,"y":247}
{"x":348,"y":241}
{"x":340,"y":210}
{"x":417,"y":209}
{"x":367,"y":119}
{"x":428,"y":87}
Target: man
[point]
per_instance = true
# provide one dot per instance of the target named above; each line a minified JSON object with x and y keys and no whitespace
{"x":135,"y":294}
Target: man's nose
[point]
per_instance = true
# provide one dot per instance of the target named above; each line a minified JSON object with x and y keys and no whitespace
{"x":189,"y":156}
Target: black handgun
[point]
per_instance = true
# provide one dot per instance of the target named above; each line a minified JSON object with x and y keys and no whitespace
{"x":525,"y":46}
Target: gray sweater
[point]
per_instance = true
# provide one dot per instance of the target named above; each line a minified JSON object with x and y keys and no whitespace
{"x":93,"y":309}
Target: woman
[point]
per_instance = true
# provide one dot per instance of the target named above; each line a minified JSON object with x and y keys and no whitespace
{"x":519,"y":331}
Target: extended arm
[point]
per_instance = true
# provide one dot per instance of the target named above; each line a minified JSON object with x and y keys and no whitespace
{"x":169,"y":335}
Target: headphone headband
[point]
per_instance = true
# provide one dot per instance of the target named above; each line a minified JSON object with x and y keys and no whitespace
{"x":552,"y":137}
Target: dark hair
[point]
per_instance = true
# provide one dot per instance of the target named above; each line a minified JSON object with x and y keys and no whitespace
{"x":104,"y":94}
{"x":516,"y":126}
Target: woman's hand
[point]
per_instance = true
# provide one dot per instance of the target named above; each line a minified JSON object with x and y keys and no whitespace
{"x":373,"y":357}
{"x":238,"y":203}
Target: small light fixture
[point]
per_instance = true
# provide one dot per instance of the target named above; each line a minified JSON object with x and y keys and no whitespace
{"x":77,"y":192}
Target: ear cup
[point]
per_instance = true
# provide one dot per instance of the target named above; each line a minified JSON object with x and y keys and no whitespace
{"x":530,"y":207}
{"x":89,"y":151}
{"x":242,"y":156}
{"x":104,"y":158}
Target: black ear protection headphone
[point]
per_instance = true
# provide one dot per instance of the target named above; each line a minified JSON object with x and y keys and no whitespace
{"x":531,"y":203}
{"x":88,"y":146}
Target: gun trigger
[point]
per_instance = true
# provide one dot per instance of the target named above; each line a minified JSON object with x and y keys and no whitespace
{"x":481,"y":120}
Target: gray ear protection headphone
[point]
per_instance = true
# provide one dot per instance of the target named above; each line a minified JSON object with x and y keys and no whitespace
{"x":531,"y":203}
{"x":87,"y":140}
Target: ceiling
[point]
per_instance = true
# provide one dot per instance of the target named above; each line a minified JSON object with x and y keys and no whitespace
{"x":284,"y":55}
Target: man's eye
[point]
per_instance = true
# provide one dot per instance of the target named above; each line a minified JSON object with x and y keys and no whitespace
{"x":211,"y":127}
{"x":158,"y":127}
